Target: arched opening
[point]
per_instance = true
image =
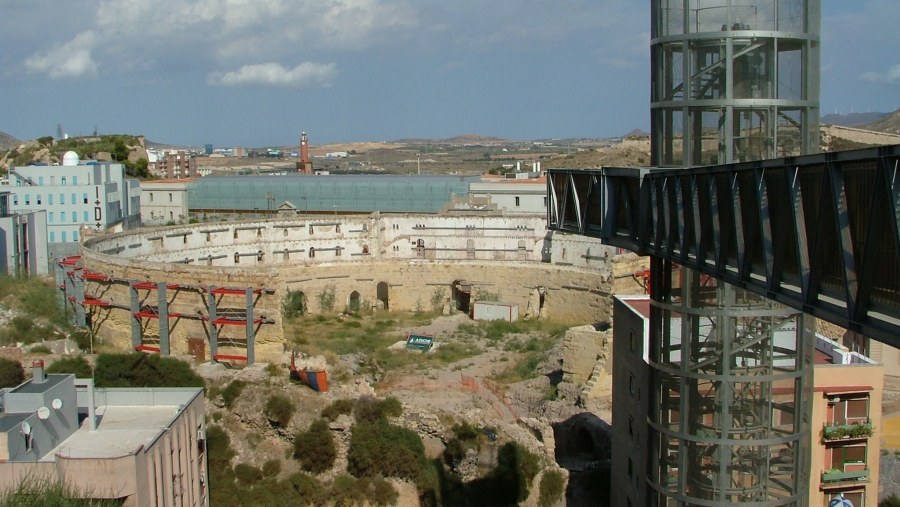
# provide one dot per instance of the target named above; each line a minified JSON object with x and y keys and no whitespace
{"x":462,"y":295}
{"x":382,"y":293}
{"x":420,"y":248}
{"x":353,"y":303}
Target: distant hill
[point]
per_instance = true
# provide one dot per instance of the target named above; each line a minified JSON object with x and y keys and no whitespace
{"x":637,"y":133}
{"x":889,"y":123}
{"x":852,"y":119}
{"x":7,"y":141}
{"x":460,"y":139}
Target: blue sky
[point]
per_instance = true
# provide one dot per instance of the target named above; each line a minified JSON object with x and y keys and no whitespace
{"x":257,"y":72}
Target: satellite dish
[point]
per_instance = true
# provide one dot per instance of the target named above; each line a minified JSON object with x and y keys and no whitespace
{"x":43,"y":413}
{"x":56,"y":403}
{"x":26,"y":428}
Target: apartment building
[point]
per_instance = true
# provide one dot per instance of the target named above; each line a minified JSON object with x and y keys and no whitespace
{"x":75,"y":195}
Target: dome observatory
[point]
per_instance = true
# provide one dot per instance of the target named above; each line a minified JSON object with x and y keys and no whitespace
{"x":71,"y":159}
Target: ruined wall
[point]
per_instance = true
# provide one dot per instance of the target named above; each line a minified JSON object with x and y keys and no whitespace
{"x":399,"y":262}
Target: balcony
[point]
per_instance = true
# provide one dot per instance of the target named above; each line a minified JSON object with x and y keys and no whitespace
{"x":831,"y":477}
{"x":847,"y":431}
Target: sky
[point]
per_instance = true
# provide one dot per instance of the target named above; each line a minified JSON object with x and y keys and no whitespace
{"x":257,"y":72}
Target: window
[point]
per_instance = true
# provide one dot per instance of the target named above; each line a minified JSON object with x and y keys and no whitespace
{"x":852,"y":455}
{"x":62,"y":199}
{"x":631,"y":426}
{"x":27,"y":199}
{"x":84,"y":215}
{"x":170,"y":196}
{"x":84,"y":197}
{"x":171,"y":216}
{"x":50,"y":199}
{"x":75,"y":236}
{"x":630,"y":468}
{"x":74,"y":180}
{"x":52,"y":237}
{"x":74,"y":217}
{"x":631,"y":387}
{"x":64,"y":238}
{"x":259,"y":254}
{"x":15,"y":199}
{"x":51,"y":217}
{"x":73,"y":198}
{"x":337,"y":251}
{"x":40,"y":180}
{"x":151,"y":196}
{"x":237,"y":257}
{"x":64,"y":181}
{"x":851,"y":410}
{"x":312,"y":252}
{"x":517,"y":200}
{"x":545,"y":202}
{"x":62,"y":216}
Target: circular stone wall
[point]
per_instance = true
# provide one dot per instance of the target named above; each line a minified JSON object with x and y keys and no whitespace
{"x":386,"y":263}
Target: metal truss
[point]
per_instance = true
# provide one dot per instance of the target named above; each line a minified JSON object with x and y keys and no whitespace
{"x":818,"y":233}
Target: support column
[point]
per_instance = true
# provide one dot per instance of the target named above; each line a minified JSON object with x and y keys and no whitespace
{"x":135,"y":306}
{"x":78,"y":291}
{"x":163,"y":310}
{"x":250,"y":327}
{"x":213,"y":330}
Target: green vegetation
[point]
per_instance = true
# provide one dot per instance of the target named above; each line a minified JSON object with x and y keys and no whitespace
{"x":72,"y":364}
{"x":144,"y":370}
{"x":11,"y":373}
{"x":314,"y":448}
{"x":232,"y":391}
{"x":326,"y":299}
{"x":294,"y":304}
{"x":551,"y":488}
{"x":40,"y":349}
{"x":380,"y":448}
{"x":891,"y":501}
{"x":279,"y":410}
{"x":370,"y":410}
{"x":338,"y":407}
{"x":43,"y":493}
{"x":466,"y":437}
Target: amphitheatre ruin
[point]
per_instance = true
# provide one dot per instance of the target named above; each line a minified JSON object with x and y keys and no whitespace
{"x":215,"y":290}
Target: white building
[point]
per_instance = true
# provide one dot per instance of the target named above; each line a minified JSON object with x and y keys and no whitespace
{"x":164,"y":202}
{"x":525,"y":194}
{"x":76,"y":195}
{"x":23,"y":240}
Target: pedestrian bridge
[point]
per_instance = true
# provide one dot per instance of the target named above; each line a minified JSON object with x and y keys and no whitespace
{"x":819,"y":233}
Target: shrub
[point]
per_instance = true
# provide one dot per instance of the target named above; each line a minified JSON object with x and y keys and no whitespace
{"x":891,"y":501}
{"x":551,"y":488}
{"x":294,"y":304}
{"x":40,"y":349}
{"x":11,"y":373}
{"x":314,"y":448}
{"x":516,"y":468}
{"x":338,"y":407}
{"x":279,"y":410}
{"x":247,"y":474}
{"x":271,"y":468}
{"x":232,"y":391}
{"x":326,"y":299}
{"x":383,"y":449}
{"x":345,"y":492}
{"x":370,"y":409}
{"x":42,"y":493}
{"x":218,"y":448}
{"x":144,"y":370}
{"x":307,"y":489}
{"x":72,"y":364}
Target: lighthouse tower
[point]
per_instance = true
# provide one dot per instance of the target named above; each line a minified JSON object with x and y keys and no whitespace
{"x":304,"y":166}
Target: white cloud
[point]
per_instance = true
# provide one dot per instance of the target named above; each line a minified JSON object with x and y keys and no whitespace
{"x":305,"y":75}
{"x":72,"y":59}
{"x":891,"y":76}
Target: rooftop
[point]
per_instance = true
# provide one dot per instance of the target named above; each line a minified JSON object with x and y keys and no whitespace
{"x":122,"y":431}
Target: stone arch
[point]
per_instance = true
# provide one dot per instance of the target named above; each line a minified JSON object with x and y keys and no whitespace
{"x":461,"y":293}
{"x":382,"y":292}
{"x":354,"y":302}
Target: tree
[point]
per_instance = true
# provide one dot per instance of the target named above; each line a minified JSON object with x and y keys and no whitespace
{"x":279,"y":410}
{"x":59,"y":131}
{"x":144,"y":370}
{"x":11,"y":373}
{"x":73,"y":364}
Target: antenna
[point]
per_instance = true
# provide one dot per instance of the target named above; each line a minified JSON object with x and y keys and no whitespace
{"x":43,"y":413}
{"x":56,"y":403}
